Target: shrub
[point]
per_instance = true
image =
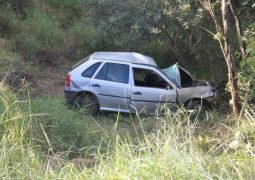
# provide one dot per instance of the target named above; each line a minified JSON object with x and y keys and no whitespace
{"x":82,"y":39}
{"x":71,"y":4}
{"x":247,"y":68}
{"x":8,"y":21}
{"x":40,"y":31}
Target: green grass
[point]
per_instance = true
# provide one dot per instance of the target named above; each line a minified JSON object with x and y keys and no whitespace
{"x":70,"y":4}
{"x":119,"y":146}
{"x":40,"y":31}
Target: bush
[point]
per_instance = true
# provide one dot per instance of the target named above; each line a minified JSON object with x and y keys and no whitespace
{"x":82,"y":40}
{"x":71,"y":4}
{"x":8,"y":21}
{"x":247,"y":68}
{"x":40,"y":32}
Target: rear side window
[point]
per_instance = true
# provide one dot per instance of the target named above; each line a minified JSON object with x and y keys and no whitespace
{"x":88,"y":73}
{"x":114,"y":72}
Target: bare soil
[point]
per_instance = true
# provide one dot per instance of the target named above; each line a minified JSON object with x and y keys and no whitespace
{"x":50,"y":79}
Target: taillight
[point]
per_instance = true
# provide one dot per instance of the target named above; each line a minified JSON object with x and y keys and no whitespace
{"x":68,"y":81}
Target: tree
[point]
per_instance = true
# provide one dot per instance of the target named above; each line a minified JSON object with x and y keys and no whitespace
{"x":224,"y":38}
{"x":130,"y":24}
{"x":238,"y":29}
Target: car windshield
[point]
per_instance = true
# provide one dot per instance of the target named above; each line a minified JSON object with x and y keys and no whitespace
{"x":173,"y":74}
{"x":179,"y":76}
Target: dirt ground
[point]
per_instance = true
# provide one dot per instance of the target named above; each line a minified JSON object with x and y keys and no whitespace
{"x":51,"y":80}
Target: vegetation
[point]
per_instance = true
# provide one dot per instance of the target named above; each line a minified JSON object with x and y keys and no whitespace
{"x":43,"y":145}
{"x":40,"y":137}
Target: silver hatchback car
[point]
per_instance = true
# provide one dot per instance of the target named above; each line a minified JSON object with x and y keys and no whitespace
{"x":130,"y":82}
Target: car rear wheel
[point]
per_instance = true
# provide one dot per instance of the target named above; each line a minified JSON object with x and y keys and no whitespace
{"x":89,"y":102}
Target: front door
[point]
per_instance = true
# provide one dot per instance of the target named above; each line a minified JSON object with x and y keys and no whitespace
{"x":112,"y":87}
{"x":150,"y":90}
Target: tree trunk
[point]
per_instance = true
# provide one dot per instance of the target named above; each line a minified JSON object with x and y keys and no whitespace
{"x":228,"y":50}
{"x":238,"y":29}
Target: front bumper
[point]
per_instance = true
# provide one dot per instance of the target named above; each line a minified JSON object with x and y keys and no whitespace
{"x":211,"y":99}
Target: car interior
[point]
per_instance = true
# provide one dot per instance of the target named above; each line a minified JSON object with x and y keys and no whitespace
{"x":148,"y":78}
{"x":186,"y":79}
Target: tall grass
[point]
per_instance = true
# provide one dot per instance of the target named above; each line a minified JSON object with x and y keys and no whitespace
{"x":40,"y":31}
{"x":124,"y":147}
{"x":7,"y":58}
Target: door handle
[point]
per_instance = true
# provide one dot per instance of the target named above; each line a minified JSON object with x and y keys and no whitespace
{"x":95,"y":85}
{"x":137,"y":93}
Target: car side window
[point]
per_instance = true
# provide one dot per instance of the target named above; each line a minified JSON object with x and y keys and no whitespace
{"x":149,"y":78}
{"x":114,"y":72}
{"x":91,"y":70}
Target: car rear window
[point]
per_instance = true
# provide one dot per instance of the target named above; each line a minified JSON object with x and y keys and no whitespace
{"x":114,"y":72}
{"x":80,"y":62}
{"x":91,"y":70}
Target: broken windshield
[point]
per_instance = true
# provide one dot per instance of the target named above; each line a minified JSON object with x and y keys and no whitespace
{"x":179,"y":76}
{"x":173,"y":74}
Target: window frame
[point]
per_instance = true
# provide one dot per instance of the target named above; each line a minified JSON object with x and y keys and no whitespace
{"x":150,"y":68}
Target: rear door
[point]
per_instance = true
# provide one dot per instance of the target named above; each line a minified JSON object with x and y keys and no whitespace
{"x":112,"y":87}
{"x":150,"y":90}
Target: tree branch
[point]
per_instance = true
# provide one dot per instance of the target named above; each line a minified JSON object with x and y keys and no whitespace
{"x":238,"y":30}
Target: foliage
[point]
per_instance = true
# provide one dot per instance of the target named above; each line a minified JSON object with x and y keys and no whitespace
{"x":82,"y":39}
{"x":71,"y":4}
{"x":6,"y":55}
{"x":165,"y":30}
{"x":247,"y":67}
{"x":7,"y":21}
{"x":39,"y":32}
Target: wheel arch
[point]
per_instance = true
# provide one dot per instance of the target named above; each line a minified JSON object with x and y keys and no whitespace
{"x":195,"y":99}
{"x":84,"y":93}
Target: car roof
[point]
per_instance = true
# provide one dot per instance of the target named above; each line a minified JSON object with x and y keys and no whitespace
{"x":130,"y":57}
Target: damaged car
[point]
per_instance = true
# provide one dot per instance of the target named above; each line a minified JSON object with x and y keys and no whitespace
{"x":132,"y":83}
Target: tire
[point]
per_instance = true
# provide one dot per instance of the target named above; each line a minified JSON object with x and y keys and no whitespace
{"x":197,"y":107}
{"x":89,"y":102}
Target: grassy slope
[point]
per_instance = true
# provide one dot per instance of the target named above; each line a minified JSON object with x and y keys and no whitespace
{"x":40,"y":137}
